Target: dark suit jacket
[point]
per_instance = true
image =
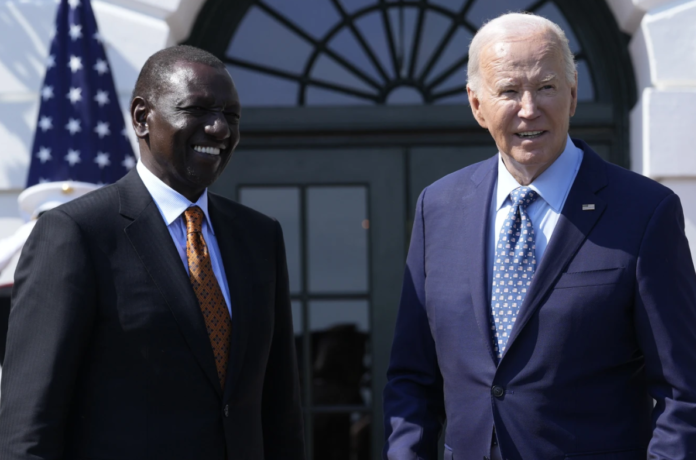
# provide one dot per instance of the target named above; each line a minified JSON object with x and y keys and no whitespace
{"x":607,"y":325}
{"x":108,"y":355}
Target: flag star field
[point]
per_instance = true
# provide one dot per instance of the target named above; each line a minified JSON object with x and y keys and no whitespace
{"x":80,"y":132}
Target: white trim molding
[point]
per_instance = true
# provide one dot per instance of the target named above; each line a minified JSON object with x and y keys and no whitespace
{"x":663,"y":50}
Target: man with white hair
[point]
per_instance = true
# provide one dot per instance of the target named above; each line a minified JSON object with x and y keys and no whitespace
{"x":549,"y":300}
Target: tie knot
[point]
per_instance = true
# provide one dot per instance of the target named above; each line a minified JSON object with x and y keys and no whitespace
{"x":523,"y":197}
{"x":194,"y":219}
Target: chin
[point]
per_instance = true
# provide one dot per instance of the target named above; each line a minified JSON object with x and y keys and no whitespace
{"x":528,"y":158}
{"x":201,"y":179}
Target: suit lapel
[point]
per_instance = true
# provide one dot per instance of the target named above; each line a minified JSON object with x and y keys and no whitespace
{"x":152,"y":241}
{"x":574,"y":224}
{"x":237,"y":262}
{"x":476,"y":214}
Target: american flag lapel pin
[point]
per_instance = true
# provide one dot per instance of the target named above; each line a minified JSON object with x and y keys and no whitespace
{"x":588,"y":207}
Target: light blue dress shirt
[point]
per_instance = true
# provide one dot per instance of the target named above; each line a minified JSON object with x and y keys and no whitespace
{"x":553,"y":186}
{"x":172,"y":205}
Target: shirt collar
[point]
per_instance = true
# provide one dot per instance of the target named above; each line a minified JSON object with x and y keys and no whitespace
{"x":552,"y":185}
{"x":170,"y":202}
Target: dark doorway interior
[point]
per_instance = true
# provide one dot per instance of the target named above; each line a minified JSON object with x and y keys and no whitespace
{"x":351,"y":108}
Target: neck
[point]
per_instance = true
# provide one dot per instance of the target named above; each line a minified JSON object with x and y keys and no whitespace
{"x":190,"y":191}
{"x":523,"y":174}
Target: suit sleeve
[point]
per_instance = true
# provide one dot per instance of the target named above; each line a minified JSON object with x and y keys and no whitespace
{"x":666,"y":321}
{"x":49,"y":327}
{"x":413,"y":398}
{"x":283,"y":436}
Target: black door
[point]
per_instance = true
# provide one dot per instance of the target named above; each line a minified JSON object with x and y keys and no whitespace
{"x":350,"y":108}
{"x":343,"y":218}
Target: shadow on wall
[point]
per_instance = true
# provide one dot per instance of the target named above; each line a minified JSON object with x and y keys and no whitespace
{"x":18,"y":120}
{"x":26,"y":28}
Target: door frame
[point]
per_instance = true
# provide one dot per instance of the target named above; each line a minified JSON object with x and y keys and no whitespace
{"x":381,"y":169}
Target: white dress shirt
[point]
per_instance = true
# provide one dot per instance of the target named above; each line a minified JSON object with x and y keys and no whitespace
{"x":552,"y":186}
{"x":172,"y":205}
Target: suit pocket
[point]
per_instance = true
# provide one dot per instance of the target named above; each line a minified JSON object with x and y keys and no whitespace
{"x":590,"y":278}
{"x":622,"y":454}
{"x":449,"y":455}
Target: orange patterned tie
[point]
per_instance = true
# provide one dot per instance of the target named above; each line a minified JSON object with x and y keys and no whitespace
{"x":207,"y":289}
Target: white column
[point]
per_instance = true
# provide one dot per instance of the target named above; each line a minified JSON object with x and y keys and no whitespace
{"x":25,"y":30}
{"x":663,"y":122}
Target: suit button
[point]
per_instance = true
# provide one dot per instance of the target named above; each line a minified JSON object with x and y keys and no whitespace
{"x":497,"y":391}
{"x":486,"y":458}
{"x":227,"y":410}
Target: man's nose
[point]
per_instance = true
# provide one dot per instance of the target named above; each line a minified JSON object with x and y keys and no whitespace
{"x":528,"y":105}
{"x":217,"y":126}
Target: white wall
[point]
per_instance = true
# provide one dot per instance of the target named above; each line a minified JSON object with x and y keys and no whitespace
{"x":663,"y":49}
{"x":24,"y":34}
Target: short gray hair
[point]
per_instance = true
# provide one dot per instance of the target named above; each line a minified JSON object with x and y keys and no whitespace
{"x":516,"y":24}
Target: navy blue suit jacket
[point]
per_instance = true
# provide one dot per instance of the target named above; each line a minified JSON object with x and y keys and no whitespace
{"x":608,"y":324}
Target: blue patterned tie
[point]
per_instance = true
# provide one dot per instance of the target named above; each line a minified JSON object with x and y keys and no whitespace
{"x":513,"y":267}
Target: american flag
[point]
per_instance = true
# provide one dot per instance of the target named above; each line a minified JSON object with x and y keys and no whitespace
{"x":80,"y":134}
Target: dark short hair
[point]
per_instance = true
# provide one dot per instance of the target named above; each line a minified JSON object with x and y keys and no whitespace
{"x":159,"y":66}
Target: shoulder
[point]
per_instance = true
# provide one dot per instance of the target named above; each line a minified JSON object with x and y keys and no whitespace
{"x":261,"y":234}
{"x":637,"y":199}
{"x":620,"y":185}
{"x":632,"y":201}
{"x":76,"y":224}
{"x":634,"y":185}
{"x":460,"y":183}
{"x":90,"y":208}
{"x":467,"y":177}
{"x":253,"y":223}
{"x":239,"y":210}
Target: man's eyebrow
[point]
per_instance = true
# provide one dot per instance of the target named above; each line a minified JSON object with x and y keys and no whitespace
{"x":548,"y":78}
{"x":192,"y":98}
{"x":504,"y":83}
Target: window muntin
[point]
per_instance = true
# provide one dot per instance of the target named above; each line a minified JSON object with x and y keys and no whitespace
{"x":349,"y":52}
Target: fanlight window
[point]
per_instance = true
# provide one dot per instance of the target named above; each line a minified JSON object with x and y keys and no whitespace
{"x":351,"y":52}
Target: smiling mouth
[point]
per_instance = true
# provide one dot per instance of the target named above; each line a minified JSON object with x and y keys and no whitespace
{"x":529,"y":134}
{"x":207,"y":150}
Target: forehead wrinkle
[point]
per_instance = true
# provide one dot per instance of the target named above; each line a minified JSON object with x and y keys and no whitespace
{"x":500,"y":59}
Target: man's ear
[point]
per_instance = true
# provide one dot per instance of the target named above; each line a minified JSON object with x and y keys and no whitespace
{"x":475,"y":104}
{"x":574,"y":96}
{"x":140,"y":110}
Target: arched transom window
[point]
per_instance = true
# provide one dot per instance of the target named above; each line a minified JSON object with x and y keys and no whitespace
{"x":351,"y":52}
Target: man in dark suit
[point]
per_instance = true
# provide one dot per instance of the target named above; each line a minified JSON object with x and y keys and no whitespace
{"x":151,"y":319}
{"x":549,"y":296}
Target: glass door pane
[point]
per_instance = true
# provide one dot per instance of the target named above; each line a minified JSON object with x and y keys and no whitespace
{"x":342,"y":213}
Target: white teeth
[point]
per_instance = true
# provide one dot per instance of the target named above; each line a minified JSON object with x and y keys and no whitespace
{"x":208,"y":150}
{"x":530,"y":133}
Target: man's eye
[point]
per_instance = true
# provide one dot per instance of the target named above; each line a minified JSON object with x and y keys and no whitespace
{"x":509,"y":91}
{"x":545,"y":87}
